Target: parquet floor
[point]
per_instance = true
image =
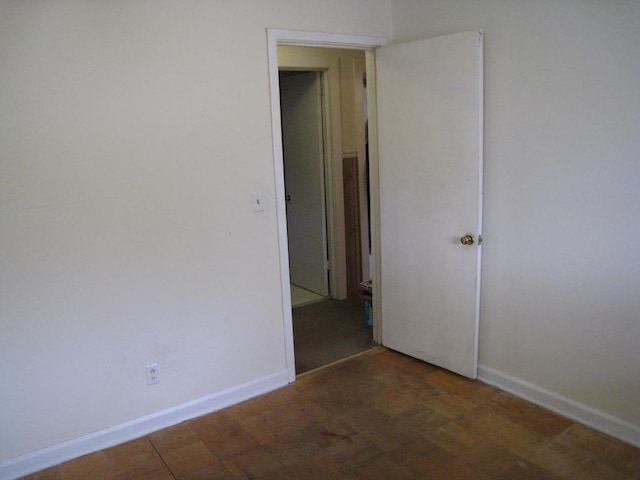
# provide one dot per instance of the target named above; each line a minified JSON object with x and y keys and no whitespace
{"x":380,"y":415}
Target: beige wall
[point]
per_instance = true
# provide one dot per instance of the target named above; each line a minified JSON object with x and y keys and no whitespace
{"x":560,"y":299}
{"x":133,"y":134}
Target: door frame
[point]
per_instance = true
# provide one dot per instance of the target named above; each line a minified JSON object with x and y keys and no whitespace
{"x":277,"y":37}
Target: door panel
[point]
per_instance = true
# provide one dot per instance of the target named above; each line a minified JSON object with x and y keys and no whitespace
{"x":430,"y":161}
{"x":303,"y":151}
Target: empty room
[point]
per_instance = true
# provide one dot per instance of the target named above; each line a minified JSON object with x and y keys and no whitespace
{"x":145,"y":298}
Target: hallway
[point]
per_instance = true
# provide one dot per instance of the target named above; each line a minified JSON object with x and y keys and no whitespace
{"x":329,"y":330}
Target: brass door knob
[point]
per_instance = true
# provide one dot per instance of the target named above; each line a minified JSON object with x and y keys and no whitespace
{"x":467,"y":239}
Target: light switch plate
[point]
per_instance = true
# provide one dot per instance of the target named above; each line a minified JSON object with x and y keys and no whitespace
{"x":257,"y":198}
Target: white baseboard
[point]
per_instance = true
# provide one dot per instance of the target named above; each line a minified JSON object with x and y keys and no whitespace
{"x":137,"y":428}
{"x":577,"y":411}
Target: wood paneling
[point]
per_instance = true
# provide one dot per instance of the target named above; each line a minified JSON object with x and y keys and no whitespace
{"x":353,"y":238}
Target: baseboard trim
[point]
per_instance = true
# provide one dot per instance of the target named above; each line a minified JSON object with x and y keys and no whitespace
{"x":56,"y":454}
{"x":577,"y":411}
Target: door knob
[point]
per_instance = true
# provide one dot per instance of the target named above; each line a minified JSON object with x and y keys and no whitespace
{"x":467,"y":239}
{"x":287,"y":198}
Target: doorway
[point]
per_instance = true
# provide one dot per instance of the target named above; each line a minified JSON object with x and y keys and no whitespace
{"x":322,"y":104}
{"x":444,"y":93}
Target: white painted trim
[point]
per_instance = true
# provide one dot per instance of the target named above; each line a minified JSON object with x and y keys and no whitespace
{"x":322,"y":39}
{"x":374,"y":189}
{"x":572,"y":409}
{"x":480,"y":196}
{"x":294,"y":37}
{"x":281,"y":208}
{"x":139,"y":427}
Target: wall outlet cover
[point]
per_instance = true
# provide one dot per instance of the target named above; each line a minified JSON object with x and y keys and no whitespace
{"x":153,"y":374}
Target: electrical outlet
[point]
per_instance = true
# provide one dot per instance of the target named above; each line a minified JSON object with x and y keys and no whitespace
{"x":153,"y":374}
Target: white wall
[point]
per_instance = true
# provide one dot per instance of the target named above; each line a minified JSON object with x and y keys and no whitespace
{"x":560,"y":300}
{"x":131,"y":137}
{"x":133,"y":133}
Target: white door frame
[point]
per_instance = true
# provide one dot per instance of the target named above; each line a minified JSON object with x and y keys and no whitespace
{"x":277,"y":37}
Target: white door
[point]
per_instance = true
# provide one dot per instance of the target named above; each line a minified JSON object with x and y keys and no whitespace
{"x":303,"y":152}
{"x":430,"y":153}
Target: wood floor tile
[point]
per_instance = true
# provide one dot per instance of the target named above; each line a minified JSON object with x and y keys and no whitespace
{"x":287,"y":418}
{"x":277,"y":475}
{"x":49,"y":474}
{"x":189,"y":459}
{"x":476,"y":392}
{"x":355,"y":450}
{"x":223,"y":435}
{"x":587,"y":440}
{"x":213,"y":472}
{"x":395,"y":402}
{"x":420,"y":419}
{"x":561,"y":460}
{"x":483,"y":421}
{"x":453,"y":438}
{"x":403,"y":374}
{"x":378,"y":361}
{"x":611,"y":452}
{"x":95,"y":466}
{"x":384,"y":358}
{"x":383,"y":467}
{"x":319,"y":466}
{"x":449,"y":405}
{"x":254,"y":463}
{"x":569,"y":462}
{"x":517,"y":439}
{"x":253,"y":408}
{"x":333,"y":399}
{"x":445,"y":379}
{"x":624,"y":458}
{"x":419,"y":389}
{"x":418,"y":455}
{"x":378,"y":427}
{"x":405,"y":364}
{"x":545,"y":422}
{"x":490,"y":458}
{"x":440,"y":464}
{"x":173,"y":438}
{"x":510,"y":406}
{"x":283,"y":396}
{"x":292,"y":447}
{"x":524,"y":470}
{"x":153,"y":469}
{"x":327,"y":431}
{"x":355,"y":386}
{"x":130,"y":453}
